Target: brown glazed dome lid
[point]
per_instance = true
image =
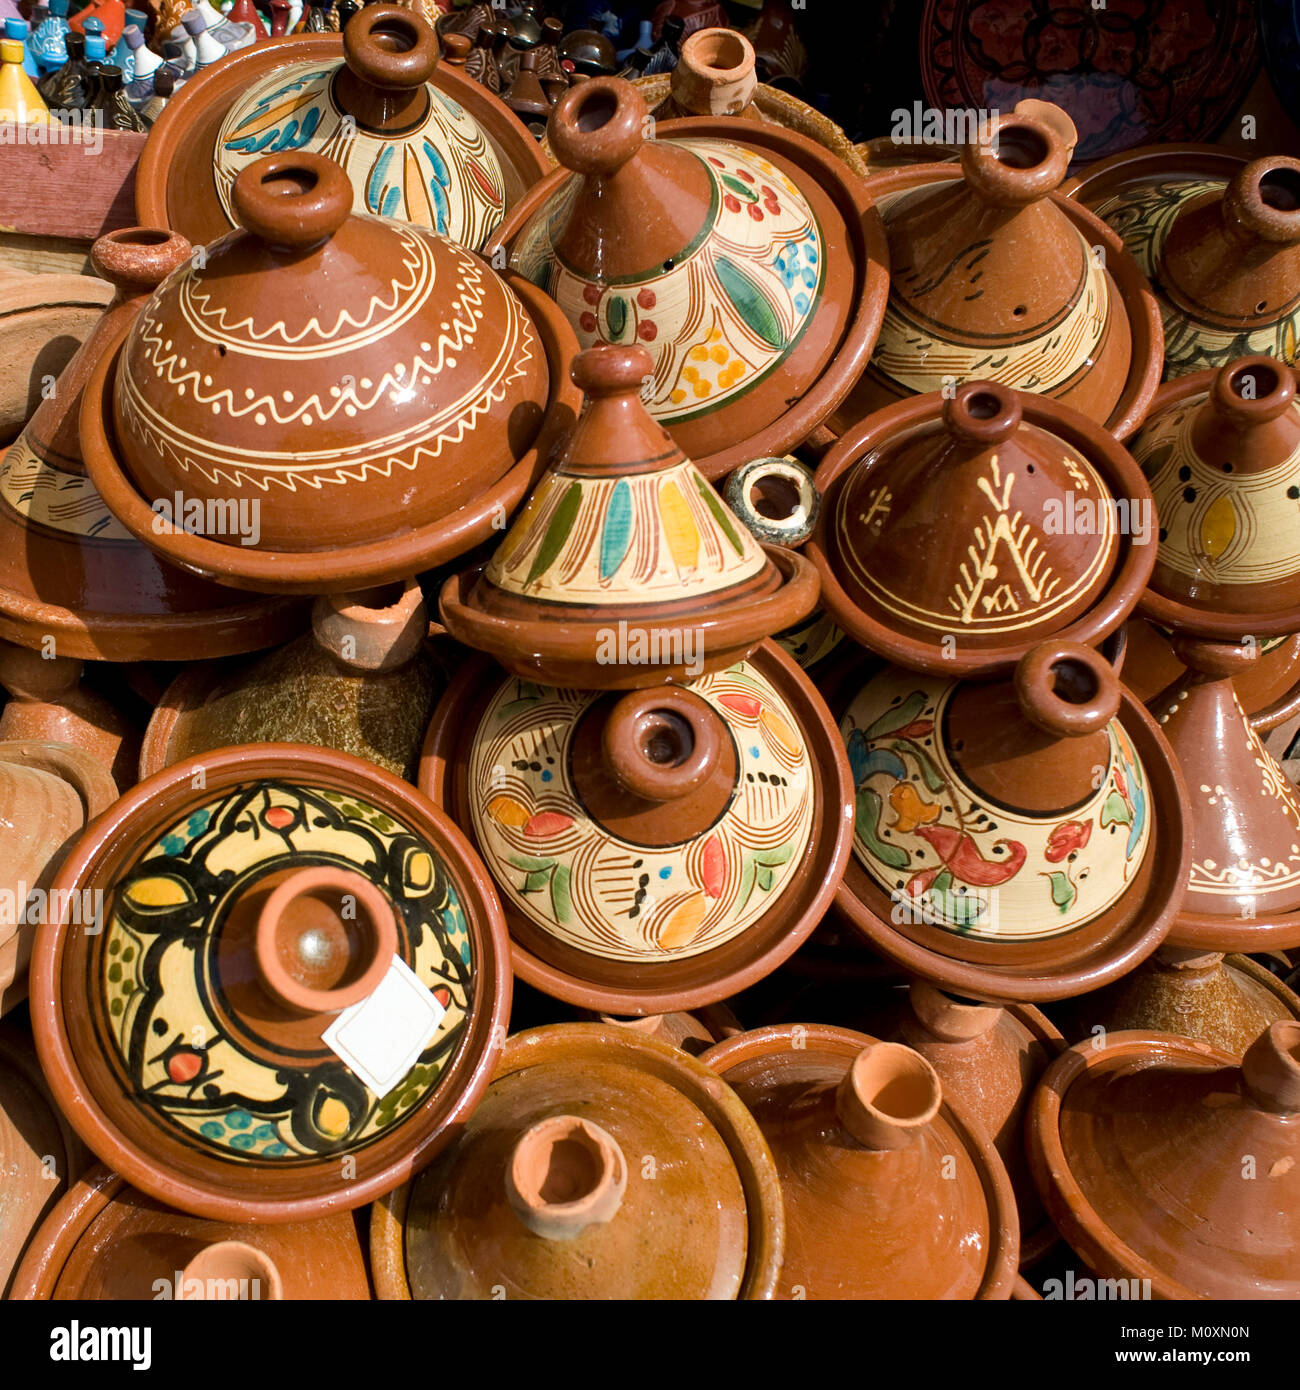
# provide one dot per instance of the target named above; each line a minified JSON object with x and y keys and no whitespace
{"x":238,"y":1039}
{"x":107,"y":1241}
{"x":418,"y":139}
{"x":1021,"y":840}
{"x":599,"y":1165}
{"x":891,"y":1192}
{"x":367,"y":395}
{"x":1221,"y":451}
{"x":1164,"y":1159}
{"x":957,"y":530}
{"x":625,"y":536}
{"x":68,"y":568}
{"x":996,"y":274}
{"x":655,"y":849}
{"x":742,"y":255}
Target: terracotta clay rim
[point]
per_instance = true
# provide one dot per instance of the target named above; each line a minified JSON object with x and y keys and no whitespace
{"x":867,"y":906}
{"x":345,"y":567}
{"x":1273,"y":984}
{"x":1182,"y":617}
{"x":831,"y":842}
{"x":1136,"y":294}
{"x":187,"y":693}
{"x":88,"y":777}
{"x":1265,"y":720}
{"x":551,"y":648}
{"x":54,"y":1240}
{"x":1110,"y":609}
{"x":236,"y":74}
{"x":1203,"y":931}
{"x":1118,"y":172}
{"x":1076,"y":1218}
{"x":1004,"y":1222}
{"x":755,"y":1166}
{"x":870,"y":249}
{"x":102,"y":842}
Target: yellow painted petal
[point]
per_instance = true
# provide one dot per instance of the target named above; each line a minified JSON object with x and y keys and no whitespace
{"x":679,"y":526}
{"x":505,"y":810}
{"x":159,"y":892}
{"x":255,"y":124}
{"x":419,"y":206}
{"x":419,"y":869}
{"x":523,"y":524}
{"x":1218,"y":526}
{"x":332,"y":1117}
{"x":683,"y":923}
{"x":780,"y":732}
{"x":910,"y":809}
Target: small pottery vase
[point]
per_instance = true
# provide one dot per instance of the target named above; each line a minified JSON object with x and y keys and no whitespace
{"x":1023,"y":840}
{"x":998,"y":275}
{"x":40,"y":1154}
{"x":958,"y":529}
{"x":349,"y":1001}
{"x":891,"y":1191}
{"x":624,"y":535}
{"x":362,"y":682}
{"x":1220,"y":243}
{"x":740,"y":256}
{"x":658,"y":849}
{"x":49,"y":40}
{"x":525,"y":95}
{"x":68,"y":569}
{"x":1139,"y":1149}
{"x":349,"y":458}
{"x":591,"y":53}
{"x":107,"y":1241}
{"x":546,"y":1192}
{"x":776,"y":499}
{"x":419,"y":141}
{"x":988,"y":1060}
{"x":245,"y":12}
{"x":714,"y":76}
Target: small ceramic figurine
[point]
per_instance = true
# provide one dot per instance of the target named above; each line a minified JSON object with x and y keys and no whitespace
{"x":20,"y":102}
{"x":48,"y":43}
{"x":66,"y":88}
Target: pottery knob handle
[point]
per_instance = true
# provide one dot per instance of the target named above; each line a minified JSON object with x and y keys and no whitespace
{"x":565,"y":1174}
{"x":663,"y":743}
{"x":948,"y":1018}
{"x":607,"y":370}
{"x":1218,"y":659}
{"x":390,"y":47}
{"x":210,"y":1273}
{"x":1067,"y":689}
{"x":1271,"y":1068}
{"x":715,"y":73}
{"x":595,"y":128}
{"x":456,"y":48}
{"x":1252,"y":390}
{"x":373,"y":630}
{"x":888,"y":1096}
{"x":982,"y":413}
{"x":136,"y":260}
{"x":295,"y":199}
{"x":1023,"y":159}
{"x":1263,"y":200}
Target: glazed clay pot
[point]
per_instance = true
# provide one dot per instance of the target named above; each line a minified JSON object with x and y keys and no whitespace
{"x":956,"y":530}
{"x":105,"y":1240}
{"x":743,"y":257}
{"x":625,"y":536}
{"x":693,"y":1032}
{"x":547,"y":1192}
{"x":1221,"y":246}
{"x":370,"y":454}
{"x":224,"y":1041}
{"x":777,"y":501}
{"x":68,"y":569}
{"x":1143,"y":1148}
{"x":714,"y":76}
{"x":996,"y":275}
{"x":362,"y":682}
{"x":890,"y":1190}
{"x":419,"y":141}
{"x":656,"y":850}
{"x":1023,"y":840}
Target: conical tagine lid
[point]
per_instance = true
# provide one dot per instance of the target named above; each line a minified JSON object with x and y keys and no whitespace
{"x":1222,"y":453}
{"x":625,"y":568}
{"x":958,"y":530}
{"x":600,"y":1164}
{"x":297,"y":986}
{"x":889,"y":1191}
{"x":1167,"y":1160}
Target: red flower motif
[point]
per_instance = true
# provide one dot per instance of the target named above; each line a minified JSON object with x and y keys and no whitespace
{"x":646,"y":329}
{"x":592,"y":293}
{"x":646,"y":299}
{"x":1066,"y":838}
{"x":743,"y":704}
{"x":277,"y":817}
{"x":961,"y":854}
{"x":746,"y":175}
{"x":545,"y":824}
{"x":731,"y":202}
{"x":184,"y":1065}
{"x":717,"y":163}
{"x":713,"y":868}
{"x":755,"y":211}
{"x":587,"y":321}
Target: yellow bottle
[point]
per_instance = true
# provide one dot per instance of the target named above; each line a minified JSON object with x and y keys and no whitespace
{"x":19,"y":99}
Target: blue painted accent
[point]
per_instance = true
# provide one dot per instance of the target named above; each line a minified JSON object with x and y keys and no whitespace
{"x":378,"y":176}
{"x":666,"y":871}
{"x":546,"y":775}
{"x":212,"y":1129}
{"x":239,"y":1119}
{"x":241,"y":1141}
{"x":392,"y":201}
{"x":276,"y":1150}
{"x":753,"y":751}
{"x":617,"y":535}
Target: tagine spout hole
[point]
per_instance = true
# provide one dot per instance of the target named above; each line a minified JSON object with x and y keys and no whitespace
{"x":565,"y":1174}
{"x":289,"y":183}
{"x":982,"y":413}
{"x":1067,"y":689}
{"x":395,"y":35}
{"x":1074,"y":683}
{"x":595,"y":111}
{"x":230,"y":1270}
{"x":888,"y":1096}
{"x":1022,"y":147}
{"x":666,"y":738}
{"x":596,"y":127}
{"x":139,"y":258}
{"x":661,"y":744}
{"x":1264,"y":200}
{"x":1252,"y":390}
{"x":295,"y":200}
{"x":1280,"y":189}
{"x":722,"y":50}
{"x":774,"y":497}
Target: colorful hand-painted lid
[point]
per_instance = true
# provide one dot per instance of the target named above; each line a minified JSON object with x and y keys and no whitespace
{"x":624,"y":535}
{"x":418,"y":141}
{"x":297,"y":986}
{"x":599,"y":1165}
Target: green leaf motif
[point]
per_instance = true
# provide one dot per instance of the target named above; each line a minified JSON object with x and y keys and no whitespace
{"x":714,"y":504}
{"x":963,"y":910}
{"x":557,"y":533}
{"x":1063,"y":891}
{"x":751,"y":302}
{"x":869,"y":808}
{"x":616,"y":317}
{"x":1115,"y":811}
{"x":897,"y":717}
{"x":739,"y":188}
{"x":561,"y":900}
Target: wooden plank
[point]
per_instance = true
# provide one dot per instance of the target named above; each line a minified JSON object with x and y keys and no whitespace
{"x":43,"y":255}
{"x":76,"y":191}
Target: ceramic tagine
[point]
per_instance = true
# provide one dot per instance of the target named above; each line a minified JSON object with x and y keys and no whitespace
{"x":625,"y":568}
{"x":298,"y":991}
{"x":996,"y":274}
{"x":1167,"y":1162}
{"x":419,"y":141}
{"x":600,"y":1164}
{"x":356,"y":455}
{"x":656,"y":849}
{"x":1220,"y":242}
{"x":106,"y":1241}
{"x":958,"y":529}
{"x":362,"y":681}
{"x":740,"y":256}
{"x":1018,"y":840}
{"x":890,"y":1190}
{"x":714,"y":76}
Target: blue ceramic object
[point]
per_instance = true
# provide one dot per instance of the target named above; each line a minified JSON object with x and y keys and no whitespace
{"x":47,"y":44}
{"x":19,"y":30}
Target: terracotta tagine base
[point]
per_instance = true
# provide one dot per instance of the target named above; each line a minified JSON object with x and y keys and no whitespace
{"x":547,"y":1192}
